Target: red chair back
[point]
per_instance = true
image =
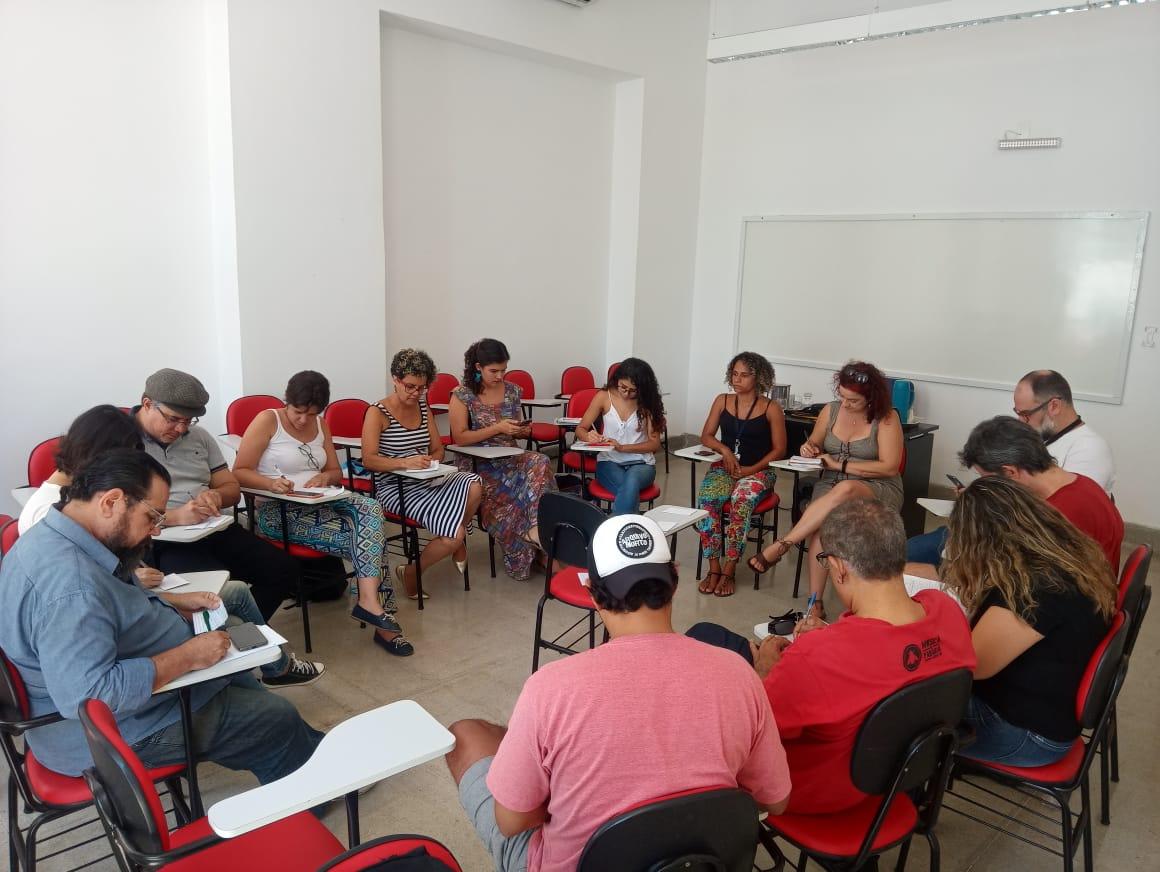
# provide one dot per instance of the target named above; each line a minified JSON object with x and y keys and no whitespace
{"x":123,"y":791}
{"x":1132,"y":578}
{"x":345,"y":417}
{"x":612,"y":370}
{"x":580,"y":401}
{"x":576,"y":378}
{"x":439,"y":391}
{"x":9,"y":533}
{"x":42,"y":461}
{"x":522,"y":379}
{"x":369,"y":854}
{"x":244,"y":410}
{"x":1091,"y":700}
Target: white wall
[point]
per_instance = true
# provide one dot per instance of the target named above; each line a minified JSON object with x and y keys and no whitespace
{"x":910,"y":124}
{"x":106,"y":257}
{"x":497,"y":185}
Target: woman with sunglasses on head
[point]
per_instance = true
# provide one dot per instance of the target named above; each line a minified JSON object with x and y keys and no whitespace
{"x":752,"y":434}
{"x":288,"y":448}
{"x":633,"y":419}
{"x":858,"y":438}
{"x":1041,"y":596}
{"x":399,"y":433}
{"x":485,"y":410}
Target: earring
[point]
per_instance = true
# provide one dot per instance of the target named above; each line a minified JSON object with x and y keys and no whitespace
{"x":477,"y":375}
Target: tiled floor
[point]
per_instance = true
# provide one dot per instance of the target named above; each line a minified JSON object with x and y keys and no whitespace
{"x":473,"y":653}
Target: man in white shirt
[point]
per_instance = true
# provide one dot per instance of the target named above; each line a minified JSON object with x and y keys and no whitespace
{"x":1043,"y":400}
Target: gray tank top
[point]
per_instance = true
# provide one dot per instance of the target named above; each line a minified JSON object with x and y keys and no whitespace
{"x":859,"y":449}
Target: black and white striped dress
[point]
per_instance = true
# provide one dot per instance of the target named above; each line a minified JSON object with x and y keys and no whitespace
{"x":437,"y":504}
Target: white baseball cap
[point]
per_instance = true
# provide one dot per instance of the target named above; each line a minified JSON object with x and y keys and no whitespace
{"x":627,"y":549}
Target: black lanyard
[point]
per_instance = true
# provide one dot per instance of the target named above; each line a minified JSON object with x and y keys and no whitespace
{"x":741,"y":425}
{"x":1078,"y":422}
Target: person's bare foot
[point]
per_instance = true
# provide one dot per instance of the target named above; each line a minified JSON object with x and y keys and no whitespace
{"x":407,"y":577}
{"x":709,"y":583}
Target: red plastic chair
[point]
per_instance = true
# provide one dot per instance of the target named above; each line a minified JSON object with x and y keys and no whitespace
{"x":767,"y":505}
{"x":369,"y":854}
{"x":566,"y":524}
{"x":243,"y":410}
{"x":611,"y":370}
{"x":575,"y":378}
{"x":439,"y":393}
{"x":602,"y":495}
{"x":694,"y":829}
{"x":1057,"y":782}
{"x":9,"y":533}
{"x":345,"y":419}
{"x":542,"y":434}
{"x":574,"y":461}
{"x":131,"y":812}
{"x":44,"y":794}
{"x":42,"y":461}
{"x":901,"y":761}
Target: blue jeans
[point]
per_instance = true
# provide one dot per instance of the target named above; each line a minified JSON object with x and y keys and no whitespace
{"x":998,"y":741}
{"x":240,"y":604}
{"x":927,"y":547}
{"x":626,"y":480}
{"x":244,"y":727}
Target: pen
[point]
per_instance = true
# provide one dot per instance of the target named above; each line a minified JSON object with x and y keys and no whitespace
{"x":810,"y":604}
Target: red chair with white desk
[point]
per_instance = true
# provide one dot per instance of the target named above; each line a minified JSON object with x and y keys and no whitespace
{"x":576,"y":461}
{"x":573,"y":379}
{"x":439,"y":395}
{"x":42,"y":461}
{"x":542,"y":434}
{"x":242,"y":411}
{"x":345,"y":420}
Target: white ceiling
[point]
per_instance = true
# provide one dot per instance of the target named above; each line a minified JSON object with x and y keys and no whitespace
{"x":731,"y":17}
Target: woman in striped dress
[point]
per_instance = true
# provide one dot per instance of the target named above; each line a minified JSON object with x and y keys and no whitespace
{"x":399,"y":432}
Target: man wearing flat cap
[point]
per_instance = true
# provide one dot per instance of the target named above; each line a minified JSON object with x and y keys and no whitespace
{"x":203,"y":485}
{"x":599,"y":732}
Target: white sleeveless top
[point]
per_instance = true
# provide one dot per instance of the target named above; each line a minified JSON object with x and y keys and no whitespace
{"x":291,"y":457}
{"x":627,"y":432}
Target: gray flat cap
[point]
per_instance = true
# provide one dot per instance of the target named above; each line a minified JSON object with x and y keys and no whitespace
{"x":179,"y":391}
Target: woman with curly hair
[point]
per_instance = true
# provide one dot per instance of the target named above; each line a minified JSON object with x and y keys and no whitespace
{"x":633,"y":419}
{"x":485,"y":410}
{"x":859,"y":440}
{"x":752,"y":434}
{"x":399,"y":432}
{"x":1041,"y":596}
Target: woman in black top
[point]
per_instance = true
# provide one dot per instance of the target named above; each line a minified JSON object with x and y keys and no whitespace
{"x":752,"y":434}
{"x":1041,"y":596}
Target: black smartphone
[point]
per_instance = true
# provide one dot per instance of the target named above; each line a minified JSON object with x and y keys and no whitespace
{"x":246,"y":637}
{"x":705,"y":452}
{"x":955,"y":481}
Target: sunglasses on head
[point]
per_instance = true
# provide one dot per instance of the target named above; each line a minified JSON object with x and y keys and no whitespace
{"x":849,"y":374}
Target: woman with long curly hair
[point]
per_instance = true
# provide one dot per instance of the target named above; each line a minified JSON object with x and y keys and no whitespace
{"x":485,"y":410}
{"x":633,"y":419}
{"x":1041,"y":596}
{"x":752,"y":430}
{"x":859,"y":440}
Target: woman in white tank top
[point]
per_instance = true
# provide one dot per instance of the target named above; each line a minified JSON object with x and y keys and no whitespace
{"x":291,"y":449}
{"x":633,"y":419}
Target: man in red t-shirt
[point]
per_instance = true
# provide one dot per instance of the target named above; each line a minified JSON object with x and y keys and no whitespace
{"x":824,"y":684}
{"x":597,"y":733}
{"x":1008,"y":447}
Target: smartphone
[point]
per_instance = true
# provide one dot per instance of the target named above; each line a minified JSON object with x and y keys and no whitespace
{"x":705,"y":452}
{"x":304,"y":495}
{"x":246,"y":637}
{"x":955,"y":481}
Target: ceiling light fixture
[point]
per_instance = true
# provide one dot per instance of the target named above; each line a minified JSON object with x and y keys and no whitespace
{"x":1026,"y":142}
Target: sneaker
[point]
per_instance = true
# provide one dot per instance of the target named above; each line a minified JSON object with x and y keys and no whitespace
{"x":299,"y":672}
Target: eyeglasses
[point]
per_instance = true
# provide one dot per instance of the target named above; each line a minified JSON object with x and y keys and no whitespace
{"x":158,"y":517}
{"x":311,"y":461}
{"x":175,"y":420}
{"x":823,"y":556}
{"x":627,"y":391}
{"x":855,"y":375}
{"x":1027,"y":413}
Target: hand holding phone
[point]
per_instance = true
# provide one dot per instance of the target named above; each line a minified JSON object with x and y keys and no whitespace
{"x":955,"y":481}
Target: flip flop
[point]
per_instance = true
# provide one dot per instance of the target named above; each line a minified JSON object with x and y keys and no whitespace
{"x":702,"y":589}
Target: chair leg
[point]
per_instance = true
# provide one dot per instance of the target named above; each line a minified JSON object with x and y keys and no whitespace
{"x":591,"y":630}
{"x":1068,"y":848}
{"x":491,"y":552}
{"x":467,"y":576}
{"x":759,"y":526}
{"x":1086,"y":818}
{"x":902,"y":854}
{"x":935,"y":851}
{"x":797,"y":575}
{"x":15,"y":861}
{"x":1105,"y":785}
{"x":1114,"y":732}
{"x":418,"y":569}
{"x":698,"y":562}
{"x":802,"y":860}
{"x":539,"y":627}
{"x":180,"y":809}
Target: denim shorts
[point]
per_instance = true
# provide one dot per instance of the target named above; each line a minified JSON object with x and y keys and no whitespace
{"x":997,"y":741}
{"x":509,"y":854}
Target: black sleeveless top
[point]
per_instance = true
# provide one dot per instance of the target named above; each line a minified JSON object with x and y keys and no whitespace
{"x":754,"y":434}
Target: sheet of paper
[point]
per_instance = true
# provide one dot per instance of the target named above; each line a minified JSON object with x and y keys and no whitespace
{"x":210,"y":523}
{"x":171,"y":581}
{"x":583,"y":576}
{"x":210,"y":619}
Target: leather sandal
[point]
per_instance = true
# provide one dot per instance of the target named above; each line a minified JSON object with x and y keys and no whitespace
{"x":732,"y":583}
{"x":761,"y":565}
{"x":705,"y":587}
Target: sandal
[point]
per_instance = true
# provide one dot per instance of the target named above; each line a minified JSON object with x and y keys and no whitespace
{"x":401,"y":574}
{"x":726,"y":578}
{"x":705,"y":587}
{"x":758,"y":562}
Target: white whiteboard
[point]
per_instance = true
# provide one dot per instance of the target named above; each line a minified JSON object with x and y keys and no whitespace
{"x":974,"y":299}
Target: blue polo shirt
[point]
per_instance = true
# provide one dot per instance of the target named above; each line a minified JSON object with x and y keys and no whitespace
{"x":76,"y":631}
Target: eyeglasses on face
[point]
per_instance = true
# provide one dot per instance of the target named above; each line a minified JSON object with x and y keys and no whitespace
{"x":857,"y":376}
{"x":1027,"y":413}
{"x":411,"y":388}
{"x":175,"y":420}
{"x":823,"y":556}
{"x":157,"y":517}
{"x":627,"y":390}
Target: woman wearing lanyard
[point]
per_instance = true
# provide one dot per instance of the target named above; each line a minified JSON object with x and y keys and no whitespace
{"x":752,"y":434}
{"x":633,"y":420}
{"x":859,"y":440}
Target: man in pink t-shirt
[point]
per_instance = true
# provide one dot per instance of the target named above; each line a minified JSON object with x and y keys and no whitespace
{"x":648,"y":714}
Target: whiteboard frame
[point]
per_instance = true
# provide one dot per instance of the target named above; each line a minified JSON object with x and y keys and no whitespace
{"x":834,"y":365}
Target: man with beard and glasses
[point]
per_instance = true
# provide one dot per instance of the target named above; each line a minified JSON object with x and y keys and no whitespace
{"x":76,"y":627}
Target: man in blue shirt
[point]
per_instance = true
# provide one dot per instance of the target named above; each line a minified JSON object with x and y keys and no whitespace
{"x":76,"y":627}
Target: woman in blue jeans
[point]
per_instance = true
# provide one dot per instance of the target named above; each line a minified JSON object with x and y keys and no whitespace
{"x":633,"y":419}
{"x":1041,"y":596}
